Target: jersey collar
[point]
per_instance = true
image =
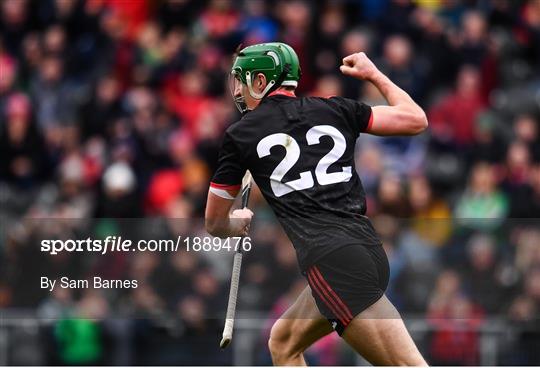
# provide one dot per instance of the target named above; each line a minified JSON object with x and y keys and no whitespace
{"x":282,"y":93}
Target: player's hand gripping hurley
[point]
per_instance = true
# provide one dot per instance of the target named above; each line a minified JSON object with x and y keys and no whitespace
{"x":235,"y":277}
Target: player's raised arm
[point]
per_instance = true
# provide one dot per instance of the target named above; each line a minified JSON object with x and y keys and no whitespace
{"x":403,"y":116}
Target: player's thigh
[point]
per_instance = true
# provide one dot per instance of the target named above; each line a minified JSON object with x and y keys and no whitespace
{"x":301,"y":325}
{"x":380,"y":336}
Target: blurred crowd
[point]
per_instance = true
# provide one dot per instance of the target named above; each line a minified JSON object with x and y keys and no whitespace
{"x":114,"y":109}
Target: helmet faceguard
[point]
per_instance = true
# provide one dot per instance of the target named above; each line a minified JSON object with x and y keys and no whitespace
{"x":276,"y":61}
{"x":239,"y":100}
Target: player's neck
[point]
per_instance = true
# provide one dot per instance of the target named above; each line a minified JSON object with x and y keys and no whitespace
{"x":282,"y":92}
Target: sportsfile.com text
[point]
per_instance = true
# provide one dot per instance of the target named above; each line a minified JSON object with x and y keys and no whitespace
{"x":120,"y":244}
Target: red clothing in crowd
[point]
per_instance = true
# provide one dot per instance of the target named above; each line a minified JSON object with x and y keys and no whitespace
{"x":456,"y":115}
{"x":190,"y":109}
{"x":219,"y":23}
{"x":456,"y":340}
{"x":164,"y":187}
{"x":133,"y":13}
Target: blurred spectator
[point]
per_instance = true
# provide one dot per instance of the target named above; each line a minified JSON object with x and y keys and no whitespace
{"x":14,"y":22}
{"x":102,"y":109}
{"x":452,"y":119}
{"x":331,"y":27}
{"x":525,"y":199}
{"x":219,"y":20}
{"x":353,"y":41}
{"x":481,"y":204}
{"x":191,"y":100}
{"x":81,"y":341}
{"x":327,"y":86}
{"x":132,"y":15}
{"x":472,"y":40}
{"x":489,"y":145}
{"x":529,"y":32}
{"x":526,"y":131}
{"x":54,"y":97}
{"x":119,"y":197}
{"x":483,"y":273}
{"x":369,"y":164}
{"x":456,"y":340}
{"x":259,"y":27}
{"x":296,"y":17}
{"x":522,"y":313}
{"x":398,"y":65}
{"x":391,"y":197}
{"x":7,"y":82}
{"x":431,"y":215}
{"x":396,"y":16}
{"x":434,"y":46}
{"x":517,"y":165}
{"x":527,"y":253}
{"x":21,"y":145}
{"x":172,"y":13}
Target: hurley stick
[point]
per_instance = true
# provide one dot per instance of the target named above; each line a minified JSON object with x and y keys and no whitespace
{"x":235,"y":277}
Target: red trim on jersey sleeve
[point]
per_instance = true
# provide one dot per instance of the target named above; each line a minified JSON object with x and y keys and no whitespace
{"x":370,"y":122}
{"x":225,"y":186}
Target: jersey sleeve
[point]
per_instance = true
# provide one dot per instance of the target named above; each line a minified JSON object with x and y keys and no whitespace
{"x":358,"y":115}
{"x":228,"y":177}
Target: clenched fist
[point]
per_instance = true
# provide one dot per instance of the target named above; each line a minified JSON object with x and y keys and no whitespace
{"x":359,"y":66}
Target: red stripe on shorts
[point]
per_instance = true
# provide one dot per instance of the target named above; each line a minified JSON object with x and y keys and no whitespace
{"x":320,"y":291}
{"x":332,"y":292}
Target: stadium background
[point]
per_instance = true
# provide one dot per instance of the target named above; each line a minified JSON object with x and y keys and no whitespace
{"x":114,"y":109}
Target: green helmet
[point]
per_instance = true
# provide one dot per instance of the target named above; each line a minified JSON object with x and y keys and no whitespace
{"x":276,"y":60}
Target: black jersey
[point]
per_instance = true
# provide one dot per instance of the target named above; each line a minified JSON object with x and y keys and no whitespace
{"x":300,"y":152}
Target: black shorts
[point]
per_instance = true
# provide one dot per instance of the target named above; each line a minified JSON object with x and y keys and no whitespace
{"x":348,"y":281}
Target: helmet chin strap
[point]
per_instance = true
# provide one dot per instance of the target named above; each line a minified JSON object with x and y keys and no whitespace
{"x":255,"y":95}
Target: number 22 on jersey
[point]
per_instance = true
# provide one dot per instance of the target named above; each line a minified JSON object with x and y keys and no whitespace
{"x":292,"y":154}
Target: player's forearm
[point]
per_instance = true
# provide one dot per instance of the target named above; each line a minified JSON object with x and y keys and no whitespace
{"x":220,"y":228}
{"x":359,"y":66}
{"x":221,"y":222}
{"x":226,"y":227}
{"x":407,"y":111}
{"x":392,"y":93}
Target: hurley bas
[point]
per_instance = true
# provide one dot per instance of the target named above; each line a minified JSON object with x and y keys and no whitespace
{"x":95,"y":283}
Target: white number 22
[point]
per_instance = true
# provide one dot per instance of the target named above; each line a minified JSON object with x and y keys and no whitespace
{"x":292,"y":154}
